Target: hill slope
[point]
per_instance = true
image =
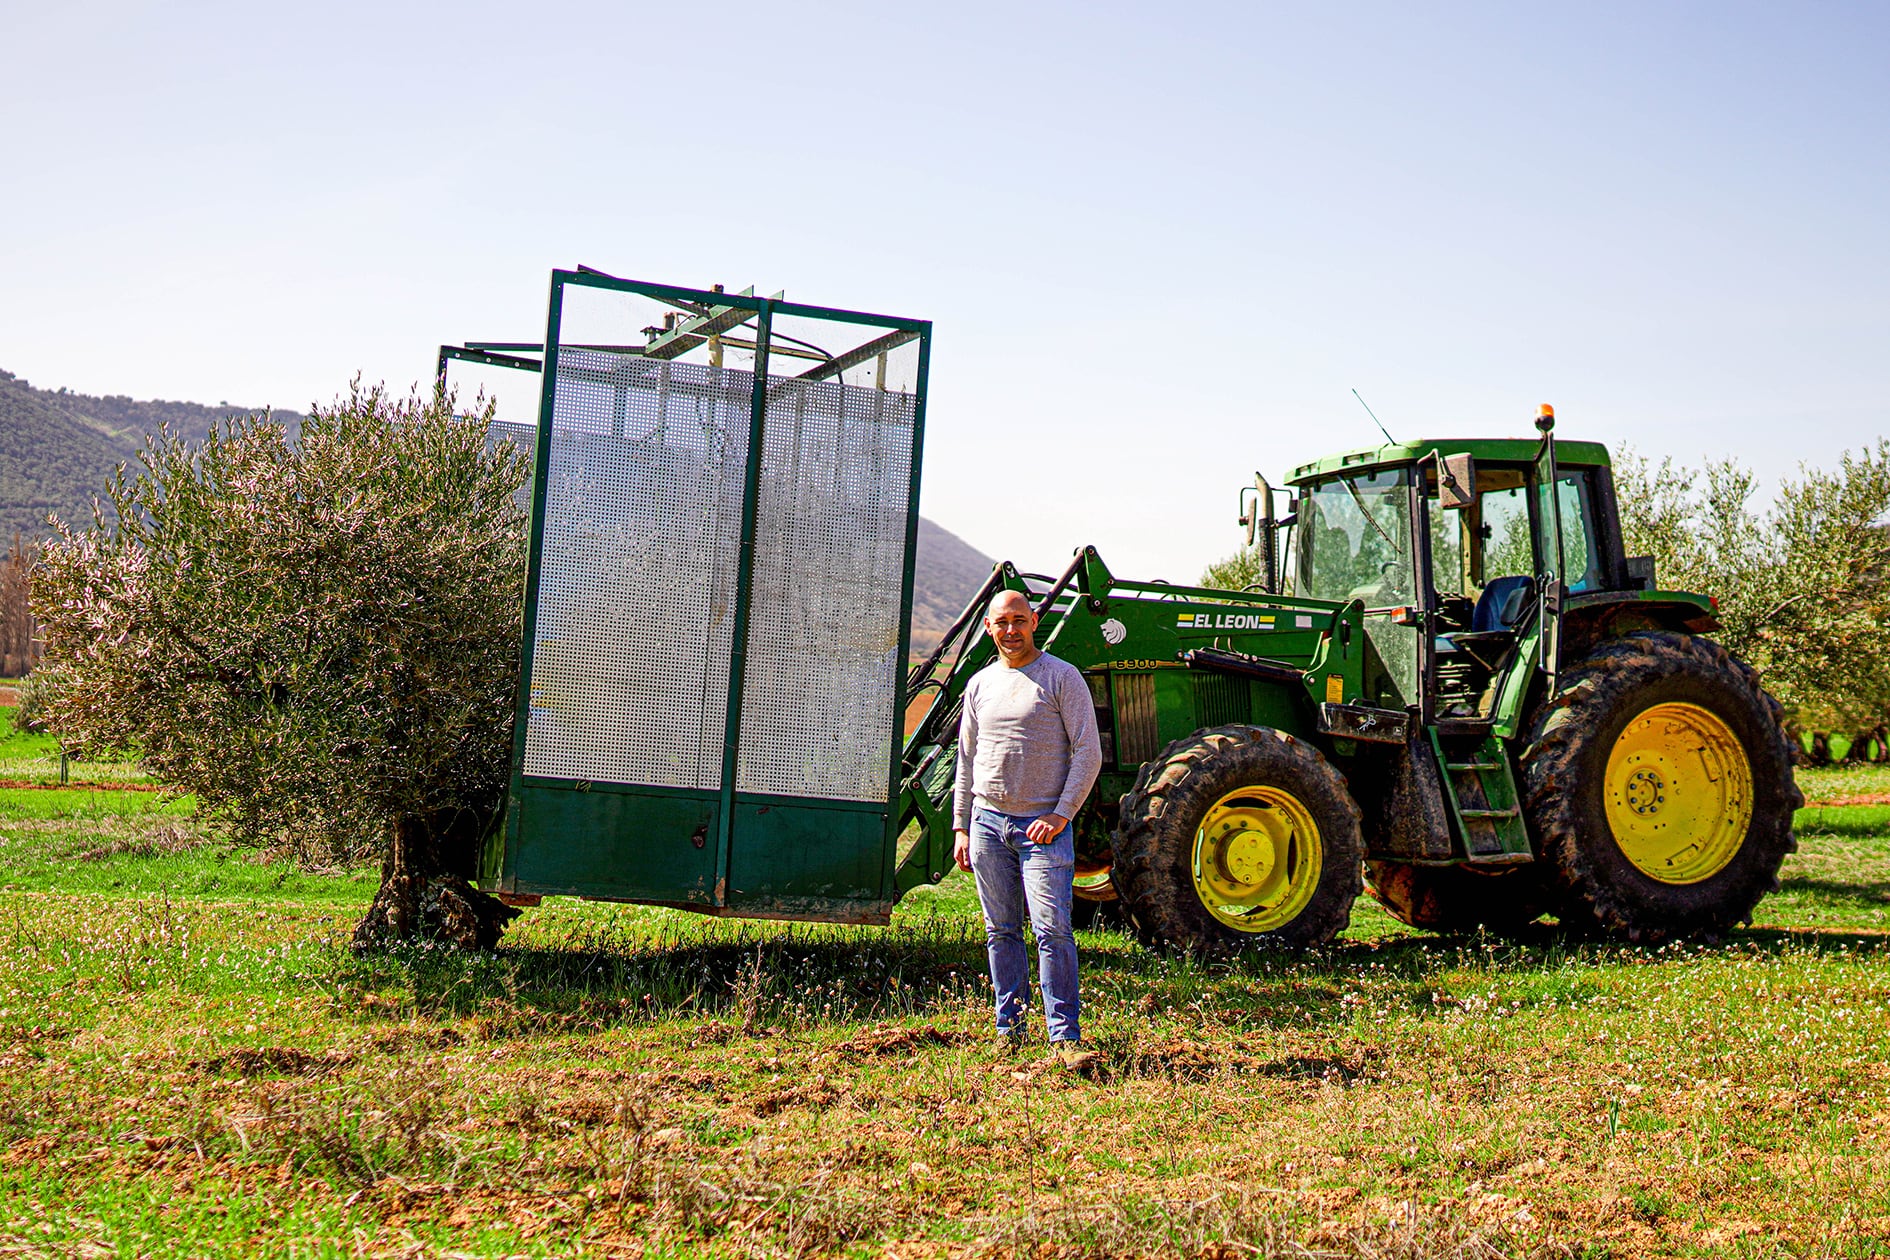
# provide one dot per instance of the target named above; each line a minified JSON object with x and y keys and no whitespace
{"x":58,"y":449}
{"x":948,"y":573}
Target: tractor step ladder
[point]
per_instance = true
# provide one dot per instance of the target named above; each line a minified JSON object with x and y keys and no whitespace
{"x":1483,"y":801}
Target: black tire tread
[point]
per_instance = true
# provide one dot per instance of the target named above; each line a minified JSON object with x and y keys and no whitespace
{"x":1163,"y":911}
{"x":1563,"y":733}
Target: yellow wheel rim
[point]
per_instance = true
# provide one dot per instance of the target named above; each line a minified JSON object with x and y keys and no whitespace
{"x":1257,"y":858}
{"x":1679,"y":793}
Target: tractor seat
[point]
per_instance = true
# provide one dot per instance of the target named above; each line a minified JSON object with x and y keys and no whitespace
{"x":1502,"y":604}
{"x":1492,"y":629}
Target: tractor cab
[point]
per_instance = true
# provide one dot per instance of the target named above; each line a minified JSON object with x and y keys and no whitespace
{"x":1463,"y":552}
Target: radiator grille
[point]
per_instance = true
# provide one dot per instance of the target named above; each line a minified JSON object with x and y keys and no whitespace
{"x":1220,"y":699}
{"x":1137,"y":735}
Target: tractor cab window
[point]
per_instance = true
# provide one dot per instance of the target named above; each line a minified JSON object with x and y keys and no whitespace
{"x":1481,"y":544}
{"x":1493,"y":540}
{"x":1483,"y":567}
{"x":1355,"y":543}
{"x":1581,"y":557}
{"x":1355,"y":540}
{"x":1502,"y":546}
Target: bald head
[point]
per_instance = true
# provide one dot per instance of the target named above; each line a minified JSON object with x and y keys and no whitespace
{"x":1011,"y":623}
{"x":1007,"y":601}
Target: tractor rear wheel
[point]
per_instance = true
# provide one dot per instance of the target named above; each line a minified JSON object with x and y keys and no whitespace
{"x":1238,"y":837}
{"x":1658,"y":784}
{"x":1503,"y":899}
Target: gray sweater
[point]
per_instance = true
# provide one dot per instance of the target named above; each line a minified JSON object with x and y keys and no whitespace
{"x":1027,"y":744}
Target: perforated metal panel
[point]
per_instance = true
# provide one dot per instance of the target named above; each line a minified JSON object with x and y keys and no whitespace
{"x":642,"y":525}
{"x":525,"y":438}
{"x":820,"y":693}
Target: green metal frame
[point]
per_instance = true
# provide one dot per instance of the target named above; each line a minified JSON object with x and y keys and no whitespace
{"x":507,"y":865}
{"x":471,"y":353}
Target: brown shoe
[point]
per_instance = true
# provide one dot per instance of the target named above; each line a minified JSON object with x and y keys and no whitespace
{"x":1072,"y":1055}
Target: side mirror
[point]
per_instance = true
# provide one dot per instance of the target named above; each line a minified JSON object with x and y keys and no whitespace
{"x":1457,"y":482}
{"x":1258,"y":519}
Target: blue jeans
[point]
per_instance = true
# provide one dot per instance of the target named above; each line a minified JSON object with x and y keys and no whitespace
{"x":1014,"y":876}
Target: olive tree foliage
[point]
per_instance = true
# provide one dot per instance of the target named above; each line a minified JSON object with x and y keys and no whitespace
{"x":318,"y":637}
{"x":1803,"y":587}
{"x":1236,"y":572}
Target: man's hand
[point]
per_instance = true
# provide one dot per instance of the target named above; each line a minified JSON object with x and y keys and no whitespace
{"x":961,"y":850}
{"x":1044,"y":830}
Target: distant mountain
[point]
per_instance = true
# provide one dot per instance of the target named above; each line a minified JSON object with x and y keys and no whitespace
{"x":948,"y":572}
{"x":58,"y":449}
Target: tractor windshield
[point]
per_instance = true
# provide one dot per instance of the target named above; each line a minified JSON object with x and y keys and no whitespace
{"x":1355,"y":543}
{"x":1355,"y":539}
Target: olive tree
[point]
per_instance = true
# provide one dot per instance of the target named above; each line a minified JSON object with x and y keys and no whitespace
{"x":318,"y":636}
{"x":1236,"y":572}
{"x":1803,"y":587}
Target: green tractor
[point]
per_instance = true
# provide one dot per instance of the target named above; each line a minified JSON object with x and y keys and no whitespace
{"x":1472,"y":699}
{"x":1457,"y":686}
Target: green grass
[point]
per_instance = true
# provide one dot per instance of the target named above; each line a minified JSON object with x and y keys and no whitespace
{"x":193,"y":1064}
{"x":34,"y":758}
{"x":92,"y":804}
{"x":1829,"y":782}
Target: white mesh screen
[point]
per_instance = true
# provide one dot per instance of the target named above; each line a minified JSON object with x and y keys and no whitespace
{"x":821,"y":685}
{"x":636,"y":597}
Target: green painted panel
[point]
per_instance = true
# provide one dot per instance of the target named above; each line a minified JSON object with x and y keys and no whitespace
{"x":792,"y":851}
{"x":1282,"y":710}
{"x":624,"y":843}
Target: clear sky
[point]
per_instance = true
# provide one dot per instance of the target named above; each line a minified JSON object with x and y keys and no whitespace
{"x":1161,"y":242}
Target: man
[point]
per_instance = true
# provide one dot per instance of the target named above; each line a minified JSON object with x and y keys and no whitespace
{"x":1028,"y":754}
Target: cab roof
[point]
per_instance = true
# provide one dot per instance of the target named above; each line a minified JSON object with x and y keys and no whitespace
{"x":1494,"y":450}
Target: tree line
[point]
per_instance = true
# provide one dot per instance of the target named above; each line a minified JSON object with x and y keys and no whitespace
{"x":1803,"y":585}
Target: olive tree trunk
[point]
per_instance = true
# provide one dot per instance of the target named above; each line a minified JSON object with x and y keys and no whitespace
{"x":425,"y":895}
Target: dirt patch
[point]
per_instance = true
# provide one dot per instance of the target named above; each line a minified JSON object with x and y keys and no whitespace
{"x":879,"y":1043}
{"x":499,"y":1019}
{"x":407,"y":1039}
{"x":273,"y":1061}
{"x":1839,"y":802}
{"x":1336,"y":1071}
{"x":1178,"y":1058}
{"x":816,"y":1093}
{"x":1182,"y":1059}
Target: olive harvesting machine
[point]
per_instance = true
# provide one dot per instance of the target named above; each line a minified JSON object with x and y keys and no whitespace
{"x":1446,"y":679}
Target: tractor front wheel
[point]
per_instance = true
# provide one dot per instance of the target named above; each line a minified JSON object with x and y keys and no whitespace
{"x":1658,"y":783}
{"x":1238,"y":837}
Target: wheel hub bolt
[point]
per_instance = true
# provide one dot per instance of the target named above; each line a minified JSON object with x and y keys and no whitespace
{"x":1645,"y":792}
